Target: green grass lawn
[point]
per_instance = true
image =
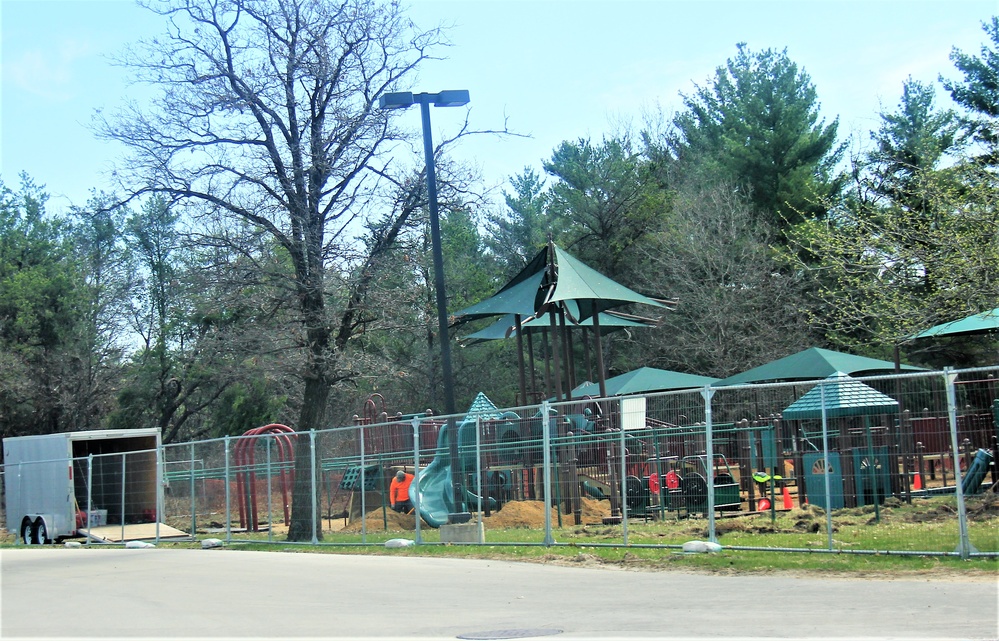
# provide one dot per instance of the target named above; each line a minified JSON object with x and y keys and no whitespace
{"x":864,"y":542}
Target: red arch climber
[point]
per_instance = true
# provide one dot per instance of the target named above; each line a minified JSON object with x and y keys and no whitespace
{"x":246,"y":477}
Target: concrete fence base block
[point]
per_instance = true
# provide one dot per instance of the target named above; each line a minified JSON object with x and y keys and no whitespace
{"x":471,"y":532}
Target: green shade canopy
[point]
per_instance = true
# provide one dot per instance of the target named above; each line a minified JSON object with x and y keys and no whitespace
{"x":592,"y":291}
{"x":506,"y":326}
{"x":975,"y":324}
{"x":645,"y":379}
{"x":555,"y":281}
{"x":515,"y":299}
{"x":844,"y":396}
{"x":554,"y":276}
{"x":814,"y":364}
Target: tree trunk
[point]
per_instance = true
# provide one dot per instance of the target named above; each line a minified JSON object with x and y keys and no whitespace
{"x":312,"y":416}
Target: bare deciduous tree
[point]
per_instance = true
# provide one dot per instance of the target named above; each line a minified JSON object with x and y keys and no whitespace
{"x":735,"y":308}
{"x":267,"y":116}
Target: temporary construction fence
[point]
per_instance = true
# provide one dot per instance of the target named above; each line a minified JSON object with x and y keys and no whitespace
{"x":801,"y":466}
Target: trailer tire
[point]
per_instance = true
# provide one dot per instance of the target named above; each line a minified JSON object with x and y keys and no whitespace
{"x":41,"y":532}
{"x":27,"y":531}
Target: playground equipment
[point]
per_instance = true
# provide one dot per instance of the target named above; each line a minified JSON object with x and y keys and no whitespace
{"x":436,"y":499}
{"x":681,"y":483}
{"x":246,"y":470}
{"x":657,"y":463}
{"x":498,"y":457}
{"x":972,"y":483}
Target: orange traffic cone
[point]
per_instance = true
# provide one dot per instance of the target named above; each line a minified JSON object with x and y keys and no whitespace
{"x":788,"y":504}
{"x":917,"y":483}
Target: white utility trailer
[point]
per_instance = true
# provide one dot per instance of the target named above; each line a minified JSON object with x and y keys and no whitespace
{"x":72,"y":484}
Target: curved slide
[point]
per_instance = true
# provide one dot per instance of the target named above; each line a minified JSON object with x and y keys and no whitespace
{"x":436,"y":498}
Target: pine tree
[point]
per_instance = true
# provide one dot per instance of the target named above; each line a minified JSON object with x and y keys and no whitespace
{"x":978,"y":92}
{"x":756,"y":125}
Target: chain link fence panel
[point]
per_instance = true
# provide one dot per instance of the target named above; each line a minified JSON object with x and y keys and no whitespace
{"x":889,"y":464}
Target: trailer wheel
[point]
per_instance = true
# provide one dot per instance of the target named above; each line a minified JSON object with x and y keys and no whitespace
{"x":27,"y":531}
{"x":41,"y":532}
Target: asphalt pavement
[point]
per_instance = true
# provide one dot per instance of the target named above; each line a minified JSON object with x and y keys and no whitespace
{"x":116,"y":593}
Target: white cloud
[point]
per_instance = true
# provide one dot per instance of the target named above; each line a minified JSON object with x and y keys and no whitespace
{"x":50,"y":72}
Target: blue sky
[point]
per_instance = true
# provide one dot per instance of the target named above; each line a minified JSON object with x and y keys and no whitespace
{"x":557,"y":70}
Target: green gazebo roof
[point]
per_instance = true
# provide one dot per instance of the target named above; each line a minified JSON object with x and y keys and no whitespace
{"x":645,"y":379}
{"x":482,"y":406}
{"x":844,"y":396}
{"x":813,"y":364}
{"x":593,"y":291}
{"x":975,"y":324}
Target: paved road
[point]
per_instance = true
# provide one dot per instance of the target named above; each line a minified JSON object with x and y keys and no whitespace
{"x":188,"y":594}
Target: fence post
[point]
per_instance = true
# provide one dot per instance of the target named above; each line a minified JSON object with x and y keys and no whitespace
{"x":709,"y":460}
{"x":160,"y":498}
{"x":123,"y":458}
{"x":546,"y":458}
{"x":478,"y":475}
{"x":20,"y":500}
{"x":775,"y":443}
{"x":363,"y":490}
{"x":270,"y":496}
{"x":194,"y":521}
{"x":825,"y":468}
{"x":228,"y":499}
{"x":872,"y":469}
{"x":90,"y":495}
{"x":624,"y":484}
{"x":416,"y":477}
{"x":312,"y":484}
{"x":964,"y":546}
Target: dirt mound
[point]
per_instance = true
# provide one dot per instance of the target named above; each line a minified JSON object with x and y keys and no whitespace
{"x":531,"y":514}
{"x":808,"y":518}
{"x":376,"y":521}
{"x":525,"y":514}
{"x":978,"y":508}
{"x":985,"y":506}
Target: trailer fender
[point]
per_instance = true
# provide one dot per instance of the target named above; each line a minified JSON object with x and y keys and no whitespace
{"x":44,"y":532}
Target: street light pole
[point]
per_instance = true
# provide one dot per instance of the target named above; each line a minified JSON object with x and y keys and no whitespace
{"x":454,"y":98}
{"x":438,"y":254}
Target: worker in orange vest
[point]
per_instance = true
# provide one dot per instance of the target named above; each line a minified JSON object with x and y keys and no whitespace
{"x":399,"y":492}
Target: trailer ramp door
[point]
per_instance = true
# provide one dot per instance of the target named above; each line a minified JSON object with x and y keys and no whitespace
{"x":133,"y":532}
